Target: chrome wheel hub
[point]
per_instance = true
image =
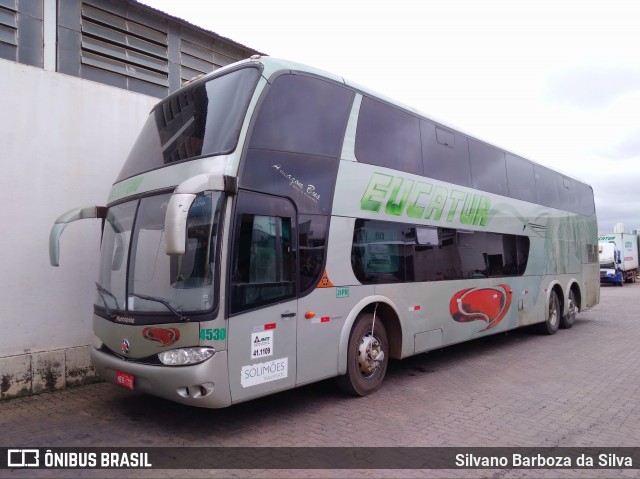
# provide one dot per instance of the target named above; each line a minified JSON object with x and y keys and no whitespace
{"x":370,"y":355}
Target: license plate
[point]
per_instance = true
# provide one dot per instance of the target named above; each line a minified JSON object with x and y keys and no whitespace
{"x":125,"y":379}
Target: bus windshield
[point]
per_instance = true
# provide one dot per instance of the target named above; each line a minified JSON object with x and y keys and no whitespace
{"x":135,"y":273}
{"x":200,"y":120}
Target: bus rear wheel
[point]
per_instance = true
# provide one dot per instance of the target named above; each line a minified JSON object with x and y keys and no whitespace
{"x":550,"y":326}
{"x":573,"y":309}
{"x":367,"y":356}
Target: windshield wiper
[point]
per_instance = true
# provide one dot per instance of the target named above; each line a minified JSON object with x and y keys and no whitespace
{"x":102,"y":291}
{"x":165,"y":303}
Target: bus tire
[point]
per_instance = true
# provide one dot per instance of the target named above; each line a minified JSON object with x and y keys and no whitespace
{"x":367,"y":357}
{"x":550,"y":326}
{"x":572,"y":310}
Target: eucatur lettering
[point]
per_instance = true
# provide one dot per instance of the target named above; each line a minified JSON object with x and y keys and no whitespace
{"x":400,"y":196}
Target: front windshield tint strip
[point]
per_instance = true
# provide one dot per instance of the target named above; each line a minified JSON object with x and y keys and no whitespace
{"x":201,"y":120}
{"x":138,"y":277}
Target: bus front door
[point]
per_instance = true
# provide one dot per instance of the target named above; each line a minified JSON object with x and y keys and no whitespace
{"x":263,"y":306}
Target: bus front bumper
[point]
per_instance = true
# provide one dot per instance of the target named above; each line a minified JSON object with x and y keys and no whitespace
{"x":201,"y":385}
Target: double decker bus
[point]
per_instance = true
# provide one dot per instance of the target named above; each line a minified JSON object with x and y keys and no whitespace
{"x":275,"y":225}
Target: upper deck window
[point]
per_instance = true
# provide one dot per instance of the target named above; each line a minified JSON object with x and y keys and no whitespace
{"x":387,"y":136}
{"x":201,"y":120}
{"x":488,"y":169}
{"x":446,"y":154}
{"x":520,"y":178}
{"x":547,"y":187}
{"x":303,"y":114}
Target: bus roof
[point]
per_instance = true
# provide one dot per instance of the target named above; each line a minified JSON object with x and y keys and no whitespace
{"x":272,"y":65}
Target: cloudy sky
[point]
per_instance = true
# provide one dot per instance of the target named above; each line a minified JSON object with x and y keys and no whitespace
{"x":555,"y":81}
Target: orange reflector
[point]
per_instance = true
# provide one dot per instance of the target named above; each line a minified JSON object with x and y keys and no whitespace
{"x":309,"y":314}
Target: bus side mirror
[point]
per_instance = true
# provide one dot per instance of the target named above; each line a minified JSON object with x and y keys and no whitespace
{"x":175,"y":221}
{"x":61,"y":223}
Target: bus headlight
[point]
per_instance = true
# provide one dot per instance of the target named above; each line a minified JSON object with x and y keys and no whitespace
{"x":185,"y":356}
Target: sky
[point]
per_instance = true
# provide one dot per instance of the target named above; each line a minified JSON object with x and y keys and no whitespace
{"x":555,"y":81}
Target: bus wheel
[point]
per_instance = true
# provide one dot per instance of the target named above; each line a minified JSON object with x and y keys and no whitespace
{"x":367,"y":357}
{"x":550,"y":326}
{"x":567,"y":321}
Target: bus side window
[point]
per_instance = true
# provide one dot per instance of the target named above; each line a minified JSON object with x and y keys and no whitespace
{"x":488,"y":169}
{"x":520,"y":178}
{"x":312,"y":247}
{"x":303,"y":114}
{"x":445,"y":154}
{"x":547,"y":187}
{"x":387,"y":136}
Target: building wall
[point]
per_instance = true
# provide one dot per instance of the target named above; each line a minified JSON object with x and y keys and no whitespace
{"x":117,"y":42}
{"x":64,"y":141}
{"x":78,"y":78}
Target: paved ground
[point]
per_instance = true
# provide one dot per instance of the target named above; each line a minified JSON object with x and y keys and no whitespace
{"x":580,"y":387}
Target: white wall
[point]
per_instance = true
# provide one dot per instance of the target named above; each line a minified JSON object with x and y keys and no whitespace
{"x":63,"y":141}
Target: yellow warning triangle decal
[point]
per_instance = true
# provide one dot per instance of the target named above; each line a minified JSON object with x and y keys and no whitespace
{"x":324,"y":281}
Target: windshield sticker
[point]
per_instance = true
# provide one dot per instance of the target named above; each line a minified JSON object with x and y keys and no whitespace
{"x":264,"y":372}
{"x":397,"y":196}
{"x":262,"y":344}
{"x":125,"y":188}
{"x":163,"y":336}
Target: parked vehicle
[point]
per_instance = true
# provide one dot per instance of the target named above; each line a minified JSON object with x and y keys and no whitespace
{"x":618,"y":256}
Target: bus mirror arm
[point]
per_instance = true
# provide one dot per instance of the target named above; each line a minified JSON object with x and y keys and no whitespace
{"x":178,"y":209}
{"x":61,"y":223}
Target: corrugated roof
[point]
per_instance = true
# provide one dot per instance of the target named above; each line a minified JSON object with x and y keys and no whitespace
{"x":204,"y":30}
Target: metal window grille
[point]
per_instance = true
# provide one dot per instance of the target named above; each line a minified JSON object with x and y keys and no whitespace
{"x":122,"y":46}
{"x":8,"y":29}
{"x":200,"y":54}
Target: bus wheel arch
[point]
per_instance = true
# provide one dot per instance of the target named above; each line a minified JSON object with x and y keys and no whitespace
{"x":573,"y":306}
{"x":367,"y":356}
{"x":389,"y":317}
{"x":387,"y":313}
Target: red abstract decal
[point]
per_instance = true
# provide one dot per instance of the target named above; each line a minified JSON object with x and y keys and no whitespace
{"x":481,"y":304}
{"x":164,"y":336}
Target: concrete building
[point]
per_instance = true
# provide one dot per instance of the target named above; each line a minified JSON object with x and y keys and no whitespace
{"x":78,"y":79}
